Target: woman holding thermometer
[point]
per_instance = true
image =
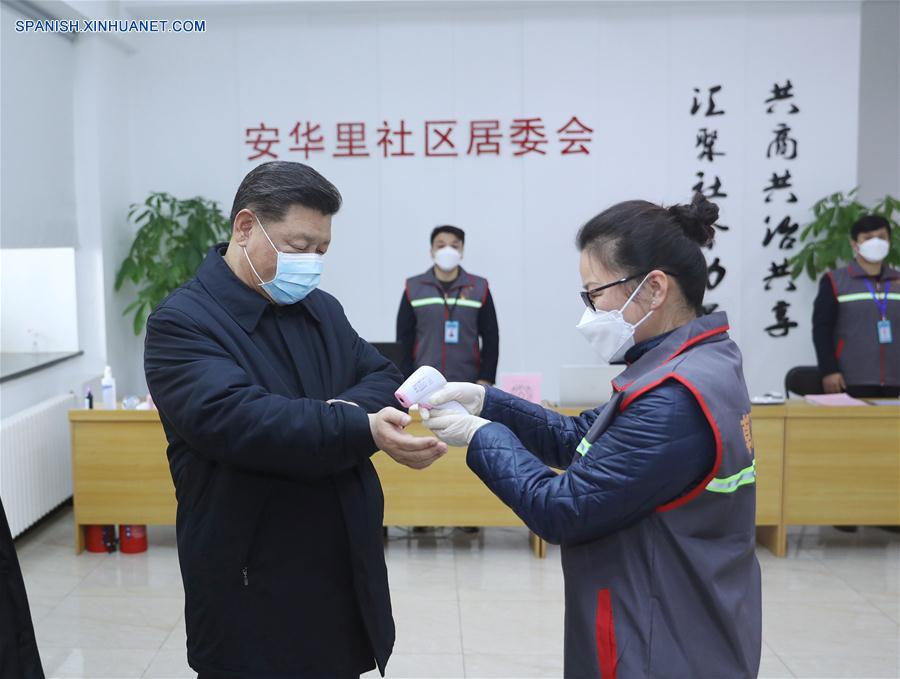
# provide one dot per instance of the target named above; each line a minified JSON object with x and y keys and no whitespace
{"x":655,"y":508}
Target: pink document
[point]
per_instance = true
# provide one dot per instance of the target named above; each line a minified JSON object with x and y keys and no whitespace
{"x":834,"y":400}
{"x":523,"y":385}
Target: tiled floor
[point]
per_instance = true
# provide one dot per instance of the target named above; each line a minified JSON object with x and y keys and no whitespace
{"x":465,"y":606}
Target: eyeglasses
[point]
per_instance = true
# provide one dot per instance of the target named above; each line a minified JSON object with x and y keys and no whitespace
{"x":587,"y":295}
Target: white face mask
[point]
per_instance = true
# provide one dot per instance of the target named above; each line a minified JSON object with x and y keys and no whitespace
{"x":874,"y":250}
{"x":447,"y":258}
{"x":608,"y":333}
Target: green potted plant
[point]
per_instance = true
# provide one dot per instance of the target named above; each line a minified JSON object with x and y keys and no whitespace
{"x":172,"y":239}
{"x":826,"y":238}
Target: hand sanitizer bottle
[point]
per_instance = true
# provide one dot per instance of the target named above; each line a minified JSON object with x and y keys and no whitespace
{"x":109,"y":389}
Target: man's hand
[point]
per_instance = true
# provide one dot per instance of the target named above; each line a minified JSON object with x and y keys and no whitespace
{"x":452,"y":427}
{"x":417,"y":452}
{"x":834,"y":383}
{"x":469,"y":396}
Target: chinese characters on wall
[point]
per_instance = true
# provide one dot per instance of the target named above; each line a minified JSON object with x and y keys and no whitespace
{"x":447,"y":138}
{"x":569,"y":136}
{"x":780,"y":230}
{"x":709,"y":148}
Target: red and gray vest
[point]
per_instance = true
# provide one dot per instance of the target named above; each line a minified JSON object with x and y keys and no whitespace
{"x":862,"y":359}
{"x":459,"y":361}
{"x":676,"y":594}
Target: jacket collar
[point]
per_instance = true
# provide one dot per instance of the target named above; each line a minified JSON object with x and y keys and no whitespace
{"x":242,"y":303}
{"x":887,"y":273}
{"x":702,"y":329}
{"x":641,"y":348}
{"x":461,"y":281}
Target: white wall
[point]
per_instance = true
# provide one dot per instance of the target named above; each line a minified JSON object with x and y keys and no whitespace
{"x":879,"y":100}
{"x":144,"y":121}
{"x":31,"y":280}
{"x":626,"y":70}
{"x":97,"y":146}
{"x":37,"y":200}
{"x":102,"y":156}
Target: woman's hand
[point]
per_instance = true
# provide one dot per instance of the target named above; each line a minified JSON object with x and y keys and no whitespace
{"x":469,"y":396}
{"x":451,"y":427}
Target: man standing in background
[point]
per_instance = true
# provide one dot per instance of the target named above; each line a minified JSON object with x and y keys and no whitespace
{"x":856,"y":317}
{"x":447,"y":318}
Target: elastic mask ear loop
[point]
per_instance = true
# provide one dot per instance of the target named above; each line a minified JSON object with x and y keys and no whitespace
{"x":636,"y":290}
{"x":628,"y":301}
{"x":258,"y":277}
{"x":266,"y":234}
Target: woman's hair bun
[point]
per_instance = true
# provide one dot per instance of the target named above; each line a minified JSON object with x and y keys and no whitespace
{"x":697,"y":219}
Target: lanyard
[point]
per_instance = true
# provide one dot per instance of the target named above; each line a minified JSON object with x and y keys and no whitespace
{"x":881,"y":304}
{"x":452,"y":307}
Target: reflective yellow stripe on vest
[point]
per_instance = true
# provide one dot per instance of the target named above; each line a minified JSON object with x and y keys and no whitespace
{"x":726,"y":485}
{"x":732,"y":483}
{"x":867,"y":296}
{"x":428,"y":301}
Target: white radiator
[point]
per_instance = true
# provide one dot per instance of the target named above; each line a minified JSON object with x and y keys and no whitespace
{"x":35,"y":461}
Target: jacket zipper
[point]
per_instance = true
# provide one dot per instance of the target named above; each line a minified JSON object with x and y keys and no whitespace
{"x":248,"y":554}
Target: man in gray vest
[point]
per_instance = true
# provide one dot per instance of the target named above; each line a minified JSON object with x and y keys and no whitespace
{"x":856,"y":317}
{"x":447,"y":318}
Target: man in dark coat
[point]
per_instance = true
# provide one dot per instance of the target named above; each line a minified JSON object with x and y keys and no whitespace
{"x":19,"y":658}
{"x":272,"y":406}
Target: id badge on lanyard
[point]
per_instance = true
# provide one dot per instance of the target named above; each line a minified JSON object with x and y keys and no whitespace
{"x":451,"y":332}
{"x":884,"y":332}
{"x":883,"y":327}
{"x":451,"y":327}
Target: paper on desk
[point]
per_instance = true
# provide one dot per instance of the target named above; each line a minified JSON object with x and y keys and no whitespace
{"x":834,"y":400}
{"x":523,"y":385}
{"x":767,"y":400}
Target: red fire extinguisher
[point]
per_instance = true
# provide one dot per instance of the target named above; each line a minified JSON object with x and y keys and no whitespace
{"x":132,"y":539}
{"x":100,"y":539}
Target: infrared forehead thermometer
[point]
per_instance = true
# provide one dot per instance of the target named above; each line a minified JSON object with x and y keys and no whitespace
{"x":420,"y":386}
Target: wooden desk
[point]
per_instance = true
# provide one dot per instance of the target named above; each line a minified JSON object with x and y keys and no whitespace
{"x":120,"y":473}
{"x":445,"y":494}
{"x":842,"y":465}
{"x":815,"y":465}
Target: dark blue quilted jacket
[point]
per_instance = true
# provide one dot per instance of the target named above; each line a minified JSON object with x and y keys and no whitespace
{"x":657,"y":449}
